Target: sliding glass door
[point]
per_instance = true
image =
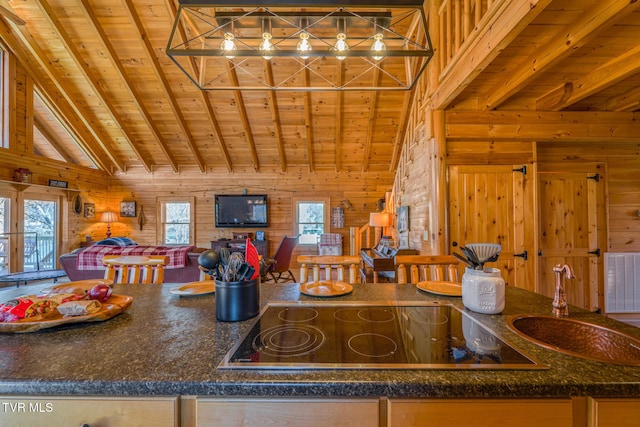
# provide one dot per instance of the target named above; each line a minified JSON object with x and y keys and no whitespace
{"x":40,"y":234}
{"x":5,"y":241}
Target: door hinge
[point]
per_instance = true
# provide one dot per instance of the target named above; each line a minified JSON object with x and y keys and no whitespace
{"x":596,"y":252}
{"x":596,"y":178}
{"x":523,"y":255}
{"x":523,"y":169}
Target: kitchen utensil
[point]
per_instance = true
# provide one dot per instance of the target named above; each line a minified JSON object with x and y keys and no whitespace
{"x":471,"y":256}
{"x":485,"y":251}
{"x":463,"y":259}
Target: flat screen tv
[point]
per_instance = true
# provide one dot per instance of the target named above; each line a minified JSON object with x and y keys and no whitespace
{"x":241,"y":210}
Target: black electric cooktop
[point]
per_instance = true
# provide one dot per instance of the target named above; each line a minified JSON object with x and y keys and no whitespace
{"x":364,"y":335}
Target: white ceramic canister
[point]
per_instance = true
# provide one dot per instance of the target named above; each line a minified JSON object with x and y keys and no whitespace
{"x":483,"y":290}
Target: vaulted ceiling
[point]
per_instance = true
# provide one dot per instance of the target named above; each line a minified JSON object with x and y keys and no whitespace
{"x":107,"y":95}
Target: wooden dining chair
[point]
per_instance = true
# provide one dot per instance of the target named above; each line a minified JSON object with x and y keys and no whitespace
{"x":281,"y":261}
{"x":418,"y":268}
{"x":135,"y":269}
{"x":328,"y":263}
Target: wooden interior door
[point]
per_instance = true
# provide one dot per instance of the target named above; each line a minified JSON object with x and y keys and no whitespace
{"x":490,"y":203}
{"x":572,"y":231}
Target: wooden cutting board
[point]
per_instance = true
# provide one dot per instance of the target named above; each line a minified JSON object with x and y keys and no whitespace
{"x":116,"y":305}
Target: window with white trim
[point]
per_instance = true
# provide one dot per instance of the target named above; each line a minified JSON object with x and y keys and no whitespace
{"x":176,"y":223}
{"x":311,"y":219}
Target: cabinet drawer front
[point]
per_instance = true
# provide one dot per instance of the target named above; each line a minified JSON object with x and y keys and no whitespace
{"x":287,"y":412}
{"x":58,"y":411}
{"x":614,"y":412}
{"x":480,"y":412}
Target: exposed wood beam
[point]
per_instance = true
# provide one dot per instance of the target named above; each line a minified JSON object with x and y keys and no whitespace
{"x":618,"y":69}
{"x":55,"y":107}
{"x":556,"y":97}
{"x":542,"y":126}
{"x":7,"y":12}
{"x":575,"y":35}
{"x":157,"y":68}
{"x":373,"y":108}
{"x":51,"y":139}
{"x":244,"y":118}
{"x":204,"y":98}
{"x":629,"y":101}
{"x":95,"y":151}
{"x":82,"y":65}
{"x":128,"y":84}
{"x":275,"y":118}
{"x":308,"y":121}
{"x":501,"y":27}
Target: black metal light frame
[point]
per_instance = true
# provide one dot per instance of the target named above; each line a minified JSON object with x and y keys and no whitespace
{"x":194,"y":45}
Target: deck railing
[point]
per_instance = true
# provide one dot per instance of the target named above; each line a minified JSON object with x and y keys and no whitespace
{"x":39,"y":252}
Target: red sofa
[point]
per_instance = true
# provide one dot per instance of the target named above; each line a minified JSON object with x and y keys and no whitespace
{"x":189,"y":273}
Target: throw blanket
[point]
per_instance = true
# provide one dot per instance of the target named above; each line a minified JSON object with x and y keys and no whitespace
{"x":91,"y":257}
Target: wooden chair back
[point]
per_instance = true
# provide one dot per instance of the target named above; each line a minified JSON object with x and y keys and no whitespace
{"x":418,"y":268}
{"x":135,"y":269}
{"x":328,"y":263}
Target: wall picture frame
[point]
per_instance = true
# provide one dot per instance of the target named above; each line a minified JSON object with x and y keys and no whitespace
{"x":89,"y":210}
{"x":403,"y":219}
{"x":259,"y":235}
{"x":128,"y":209}
{"x":58,"y":184}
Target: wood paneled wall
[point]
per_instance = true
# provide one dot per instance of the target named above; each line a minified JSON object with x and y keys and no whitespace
{"x":622,"y":160}
{"x":623,"y":184}
{"x":362,"y":190}
{"x":92,"y":185}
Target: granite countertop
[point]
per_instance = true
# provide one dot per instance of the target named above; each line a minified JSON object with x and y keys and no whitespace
{"x":170,"y":345}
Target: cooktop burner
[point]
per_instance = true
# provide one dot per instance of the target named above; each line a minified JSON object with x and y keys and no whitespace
{"x":371,"y":336}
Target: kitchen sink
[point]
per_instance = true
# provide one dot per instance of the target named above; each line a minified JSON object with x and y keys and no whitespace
{"x":578,"y":338}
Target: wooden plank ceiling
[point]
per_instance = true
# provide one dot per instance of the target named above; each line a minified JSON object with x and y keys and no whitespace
{"x":110,"y":98}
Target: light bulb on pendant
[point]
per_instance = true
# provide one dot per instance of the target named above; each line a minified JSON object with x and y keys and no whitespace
{"x":228,"y":45}
{"x":341,"y":45}
{"x":378,"y":47}
{"x":304,"y":45}
{"x":266,"y":46}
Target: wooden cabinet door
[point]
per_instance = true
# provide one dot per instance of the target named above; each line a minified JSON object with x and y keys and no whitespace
{"x":571,"y":213}
{"x":281,"y":412}
{"x":480,"y":412}
{"x":605,"y":412}
{"x":55,"y":411}
{"x":492,"y":203}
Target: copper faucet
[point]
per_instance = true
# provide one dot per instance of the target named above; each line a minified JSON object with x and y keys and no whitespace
{"x":560,"y":299}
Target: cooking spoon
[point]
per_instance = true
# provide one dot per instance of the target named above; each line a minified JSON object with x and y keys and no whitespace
{"x":463,"y":259}
{"x":471,"y":256}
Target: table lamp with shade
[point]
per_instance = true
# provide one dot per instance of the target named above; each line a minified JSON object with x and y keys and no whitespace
{"x":380,"y":220}
{"x":109,"y":217}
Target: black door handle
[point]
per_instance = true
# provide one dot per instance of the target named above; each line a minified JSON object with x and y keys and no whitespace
{"x":523,"y":255}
